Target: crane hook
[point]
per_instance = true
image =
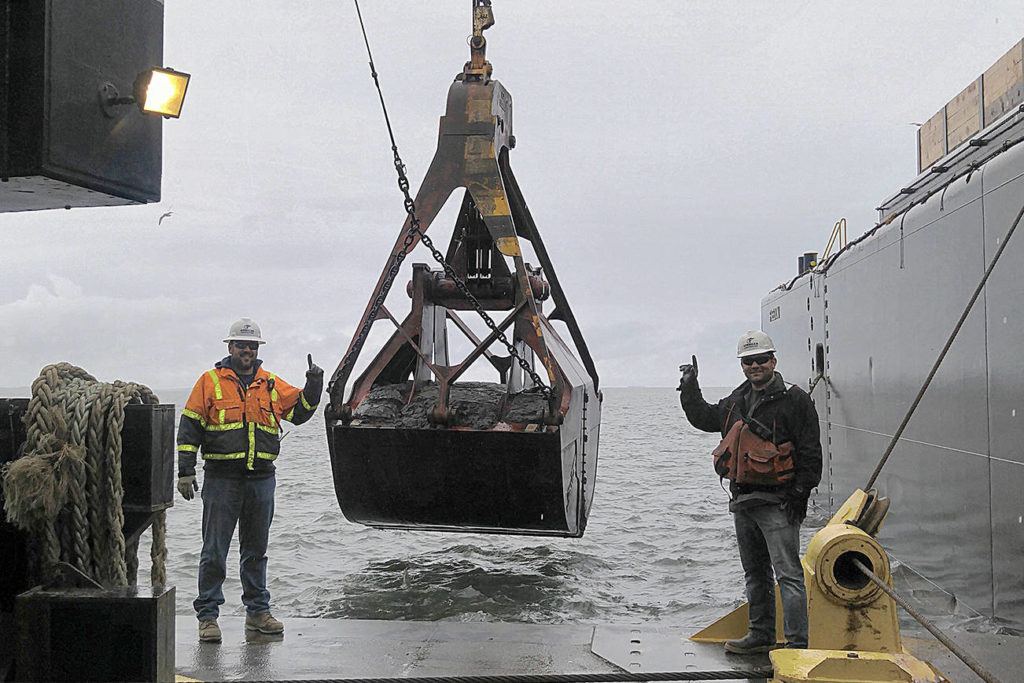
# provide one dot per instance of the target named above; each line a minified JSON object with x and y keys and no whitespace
{"x":478,"y":68}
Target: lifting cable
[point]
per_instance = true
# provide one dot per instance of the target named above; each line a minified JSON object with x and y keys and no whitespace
{"x":964,"y":657}
{"x":622,"y":677}
{"x":945,"y":349}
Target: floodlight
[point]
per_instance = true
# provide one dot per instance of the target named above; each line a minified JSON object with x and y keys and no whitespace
{"x":161,"y":91}
{"x":158,"y":90}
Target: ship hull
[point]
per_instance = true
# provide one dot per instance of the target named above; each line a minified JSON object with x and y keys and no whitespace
{"x":877,"y":317}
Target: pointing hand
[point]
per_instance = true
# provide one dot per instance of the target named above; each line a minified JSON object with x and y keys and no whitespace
{"x":315,"y":372}
{"x":688,"y":376}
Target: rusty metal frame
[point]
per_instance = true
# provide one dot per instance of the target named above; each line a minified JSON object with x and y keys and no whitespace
{"x":474,"y":139}
{"x":500,"y":363}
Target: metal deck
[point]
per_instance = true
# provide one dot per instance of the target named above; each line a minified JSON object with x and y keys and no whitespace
{"x":349,"y":648}
{"x":323,"y":648}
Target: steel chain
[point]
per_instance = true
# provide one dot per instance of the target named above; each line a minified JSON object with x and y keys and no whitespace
{"x":414,"y":229}
{"x":439,"y":257}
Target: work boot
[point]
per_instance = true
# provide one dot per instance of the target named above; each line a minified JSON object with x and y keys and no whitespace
{"x":749,"y":645}
{"x":263,"y":622}
{"x":209,"y":632}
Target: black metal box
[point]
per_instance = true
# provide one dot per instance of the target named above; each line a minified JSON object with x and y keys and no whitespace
{"x":147,"y":457}
{"x":147,"y":448}
{"x":13,"y":553}
{"x":58,"y":146}
{"x":95,"y":635}
{"x":12,"y":430}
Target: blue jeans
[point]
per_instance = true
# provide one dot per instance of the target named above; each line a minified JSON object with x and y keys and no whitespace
{"x":767,"y":541}
{"x":249,"y":503}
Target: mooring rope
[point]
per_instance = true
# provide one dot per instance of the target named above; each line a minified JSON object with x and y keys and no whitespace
{"x":66,"y":490}
{"x":623,"y":677}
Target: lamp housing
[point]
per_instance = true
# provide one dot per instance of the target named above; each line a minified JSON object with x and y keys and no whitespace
{"x":58,"y":149}
{"x":161,"y":91}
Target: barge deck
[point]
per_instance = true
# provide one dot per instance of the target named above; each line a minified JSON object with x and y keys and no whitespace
{"x":350,"y":648}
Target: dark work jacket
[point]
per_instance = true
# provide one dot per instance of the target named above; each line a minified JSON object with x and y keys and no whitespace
{"x":789,"y":412}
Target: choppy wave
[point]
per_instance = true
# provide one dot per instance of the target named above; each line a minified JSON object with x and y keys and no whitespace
{"x":659,"y":544}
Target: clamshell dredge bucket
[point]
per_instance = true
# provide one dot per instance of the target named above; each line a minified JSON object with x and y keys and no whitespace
{"x":460,"y":479}
{"x":422,"y":464}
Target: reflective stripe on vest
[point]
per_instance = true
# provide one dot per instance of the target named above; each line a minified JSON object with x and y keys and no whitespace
{"x":252,"y":446}
{"x":217,"y":393}
{"x":223,"y":456}
{"x":225,"y":427}
{"x":273,"y":399}
{"x":241,"y":455}
{"x":216,"y":384}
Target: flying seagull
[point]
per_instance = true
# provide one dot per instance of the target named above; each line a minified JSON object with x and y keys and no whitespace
{"x":166,"y":215}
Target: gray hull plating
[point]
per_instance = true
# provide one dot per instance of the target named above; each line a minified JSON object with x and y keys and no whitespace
{"x":881,"y":311}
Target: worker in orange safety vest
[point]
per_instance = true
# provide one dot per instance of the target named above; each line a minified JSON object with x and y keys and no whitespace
{"x":233,"y":419}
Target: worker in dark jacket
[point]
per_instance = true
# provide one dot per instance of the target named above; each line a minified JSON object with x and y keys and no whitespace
{"x":233,"y":417}
{"x":771,"y":453}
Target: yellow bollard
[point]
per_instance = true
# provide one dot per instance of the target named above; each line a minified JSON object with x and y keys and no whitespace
{"x":853,"y":627}
{"x":845,"y":610}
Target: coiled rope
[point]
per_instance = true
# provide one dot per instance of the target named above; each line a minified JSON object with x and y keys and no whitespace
{"x":66,"y":490}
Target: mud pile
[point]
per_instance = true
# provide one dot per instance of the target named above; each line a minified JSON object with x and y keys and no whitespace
{"x":474,"y":404}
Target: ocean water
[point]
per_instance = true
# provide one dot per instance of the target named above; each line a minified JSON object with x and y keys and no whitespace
{"x":659,"y":545}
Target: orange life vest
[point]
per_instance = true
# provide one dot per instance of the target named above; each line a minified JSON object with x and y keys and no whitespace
{"x":745,"y":458}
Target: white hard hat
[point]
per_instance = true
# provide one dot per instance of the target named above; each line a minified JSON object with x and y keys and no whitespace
{"x":245,"y":329}
{"x":754,"y":342}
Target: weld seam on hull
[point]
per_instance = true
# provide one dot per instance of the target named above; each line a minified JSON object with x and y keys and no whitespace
{"x":921,"y":443}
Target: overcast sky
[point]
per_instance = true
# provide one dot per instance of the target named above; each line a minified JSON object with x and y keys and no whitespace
{"x":677,"y":157}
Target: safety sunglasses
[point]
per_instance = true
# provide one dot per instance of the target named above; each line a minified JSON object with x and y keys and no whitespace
{"x":759,"y":360}
{"x":252,"y":346}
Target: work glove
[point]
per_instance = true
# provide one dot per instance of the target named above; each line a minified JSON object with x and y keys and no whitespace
{"x":187,"y":487}
{"x":795,"y":504}
{"x":314,"y":381}
{"x":315,"y":372}
{"x":688,"y":386}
